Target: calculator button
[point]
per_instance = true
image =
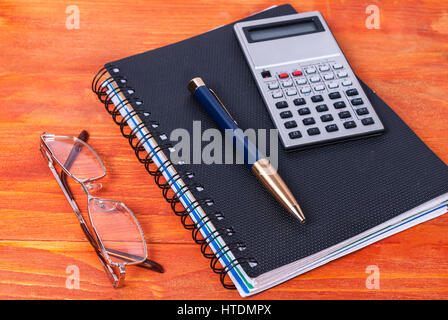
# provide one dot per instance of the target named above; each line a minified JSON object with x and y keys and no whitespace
{"x":297,"y":73}
{"x":290,"y":124}
{"x":273,"y":86}
{"x":367,"y":121}
{"x":317,"y":98}
{"x":319,"y":87}
{"x":349,"y":124}
{"x":281,"y":104}
{"x":285,"y":114}
{"x":287,"y":83}
{"x":333,"y":85}
{"x":326,"y":118}
{"x":314,"y":79}
{"x":321,"y":108}
{"x":357,"y":101}
{"x":344,"y":114}
{"x":277,"y":94}
{"x":337,"y":66}
{"x":266,"y":74}
{"x":346,"y":83}
{"x":362,"y":111}
{"x":283,"y":75}
{"x":305,"y":90}
{"x":329,"y":76}
{"x":295,"y":135}
{"x":313,"y":131}
{"x":352,"y":92}
{"x":299,"y":101}
{"x":291,"y":92}
{"x":308,"y":121}
{"x":342,"y":74}
{"x":334,"y":95}
{"x":332,"y":127}
{"x":324,"y":67}
{"x":310,"y":70}
{"x":304,"y":111}
{"x":339,"y":105}
{"x":301,"y":81}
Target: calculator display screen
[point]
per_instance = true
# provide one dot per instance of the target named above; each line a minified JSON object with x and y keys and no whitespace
{"x":283,"y":30}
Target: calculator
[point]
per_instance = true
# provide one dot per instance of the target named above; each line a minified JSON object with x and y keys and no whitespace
{"x":307,"y":84}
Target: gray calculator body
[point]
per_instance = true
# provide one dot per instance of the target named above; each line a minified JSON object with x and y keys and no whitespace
{"x":307,"y":84}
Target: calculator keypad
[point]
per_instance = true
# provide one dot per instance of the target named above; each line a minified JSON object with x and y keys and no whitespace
{"x":318,"y":103}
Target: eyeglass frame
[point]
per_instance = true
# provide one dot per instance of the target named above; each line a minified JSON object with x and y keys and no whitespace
{"x":103,"y":254}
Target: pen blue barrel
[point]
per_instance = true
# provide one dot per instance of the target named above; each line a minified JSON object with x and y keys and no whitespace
{"x":223,"y":119}
{"x":257,"y":162}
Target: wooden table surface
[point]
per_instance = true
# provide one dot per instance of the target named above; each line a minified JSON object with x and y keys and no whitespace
{"x":45,"y":74}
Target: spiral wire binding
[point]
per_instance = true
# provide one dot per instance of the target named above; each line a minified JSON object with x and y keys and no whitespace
{"x":110,"y":74}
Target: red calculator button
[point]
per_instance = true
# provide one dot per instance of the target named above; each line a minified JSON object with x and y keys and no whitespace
{"x":283,"y":75}
{"x":297,"y":73}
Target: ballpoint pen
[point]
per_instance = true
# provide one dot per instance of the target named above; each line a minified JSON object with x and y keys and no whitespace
{"x":261,"y":167}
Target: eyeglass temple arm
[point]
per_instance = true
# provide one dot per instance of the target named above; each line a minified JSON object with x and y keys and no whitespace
{"x":116,"y":280}
{"x":62,"y":181}
{"x":147,"y":264}
{"x":83,"y":136}
{"x":66,"y":191}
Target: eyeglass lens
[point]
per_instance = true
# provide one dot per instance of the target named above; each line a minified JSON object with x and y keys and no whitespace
{"x":118,"y":230}
{"x":75,"y":156}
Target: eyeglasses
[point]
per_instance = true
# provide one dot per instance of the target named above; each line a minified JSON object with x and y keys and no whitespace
{"x":117,"y":236}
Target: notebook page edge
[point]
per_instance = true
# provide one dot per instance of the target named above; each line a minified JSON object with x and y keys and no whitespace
{"x":423,"y":212}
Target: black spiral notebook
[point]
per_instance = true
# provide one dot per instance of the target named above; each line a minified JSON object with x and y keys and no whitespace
{"x":354,"y":193}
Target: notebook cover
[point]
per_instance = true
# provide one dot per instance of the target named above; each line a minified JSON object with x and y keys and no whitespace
{"x":344,"y":189}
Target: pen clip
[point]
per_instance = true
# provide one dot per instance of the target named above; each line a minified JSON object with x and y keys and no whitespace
{"x":222,"y":105}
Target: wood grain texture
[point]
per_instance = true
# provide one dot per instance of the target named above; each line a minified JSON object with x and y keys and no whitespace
{"x":45,"y":74}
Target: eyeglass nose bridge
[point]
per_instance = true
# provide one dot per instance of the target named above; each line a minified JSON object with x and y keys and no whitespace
{"x":92,"y":187}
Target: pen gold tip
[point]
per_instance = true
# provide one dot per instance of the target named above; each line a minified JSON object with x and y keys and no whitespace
{"x":297,"y":212}
{"x":272,"y":181}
